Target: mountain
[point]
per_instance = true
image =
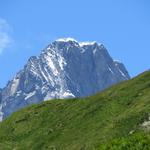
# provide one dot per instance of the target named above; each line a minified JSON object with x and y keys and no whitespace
{"x":65,"y":69}
{"x":115,"y":119}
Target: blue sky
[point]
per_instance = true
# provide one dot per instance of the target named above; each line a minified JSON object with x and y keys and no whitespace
{"x":28,"y":26}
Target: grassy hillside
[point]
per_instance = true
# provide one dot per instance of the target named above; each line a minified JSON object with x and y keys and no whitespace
{"x":99,"y":122}
{"x":136,"y":141}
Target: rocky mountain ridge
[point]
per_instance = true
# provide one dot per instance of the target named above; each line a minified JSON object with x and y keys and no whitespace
{"x":65,"y":69}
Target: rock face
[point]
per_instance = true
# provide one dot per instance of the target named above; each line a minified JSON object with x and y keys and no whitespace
{"x":65,"y":69}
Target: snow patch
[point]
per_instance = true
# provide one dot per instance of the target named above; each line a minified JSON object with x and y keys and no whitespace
{"x":51,"y":64}
{"x":110,"y":70}
{"x":43,"y":74}
{"x":47,"y":76}
{"x":61,"y":62}
{"x":30,"y":95}
{"x":51,"y":95}
{"x":122,"y":73}
{"x":18,"y":93}
{"x":14,"y":86}
{"x":58,"y":94}
{"x":66,"y":39}
{"x":117,"y":61}
{"x":94,"y":51}
{"x":67,"y":94}
{"x":86,"y":43}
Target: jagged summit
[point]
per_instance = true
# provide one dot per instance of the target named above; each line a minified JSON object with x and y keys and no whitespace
{"x":65,"y":69}
{"x":85,"y":43}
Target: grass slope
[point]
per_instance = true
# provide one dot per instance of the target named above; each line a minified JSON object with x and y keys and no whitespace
{"x":137,"y":141}
{"x":98,"y":122}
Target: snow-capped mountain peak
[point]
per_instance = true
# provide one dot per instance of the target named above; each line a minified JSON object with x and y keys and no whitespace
{"x":66,"y":68}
